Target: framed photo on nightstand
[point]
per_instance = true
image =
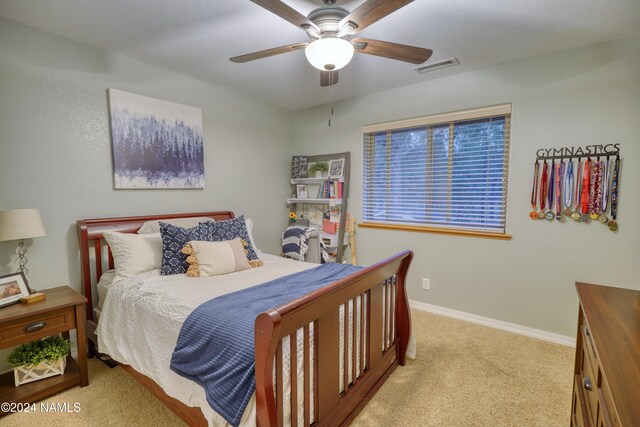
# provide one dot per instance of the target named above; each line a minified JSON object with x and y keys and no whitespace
{"x":12,"y":288}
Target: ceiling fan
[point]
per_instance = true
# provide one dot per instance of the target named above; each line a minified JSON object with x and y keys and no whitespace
{"x":331,"y":30}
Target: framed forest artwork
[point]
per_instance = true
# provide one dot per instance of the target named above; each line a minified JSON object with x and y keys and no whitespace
{"x":156,"y":144}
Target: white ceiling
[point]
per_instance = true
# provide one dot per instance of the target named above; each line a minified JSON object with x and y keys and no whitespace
{"x":196,"y":38}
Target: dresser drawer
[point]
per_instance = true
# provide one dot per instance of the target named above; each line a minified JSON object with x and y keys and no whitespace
{"x":36,"y":326}
{"x":578,"y":414}
{"x":589,"y":385}
{"x":609,"y":410}
{"x":587,"y":340}
{"x":603,"y":414}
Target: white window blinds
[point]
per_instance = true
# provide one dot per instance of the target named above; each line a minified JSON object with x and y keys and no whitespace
{"x":441,"y":171}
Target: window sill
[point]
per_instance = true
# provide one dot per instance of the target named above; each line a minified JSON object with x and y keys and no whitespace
{"x":437,"y":230}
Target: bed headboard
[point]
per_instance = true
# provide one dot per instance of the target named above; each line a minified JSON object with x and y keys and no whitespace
{"x":92,"y":256}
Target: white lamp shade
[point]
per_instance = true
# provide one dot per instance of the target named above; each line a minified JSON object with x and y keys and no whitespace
{"x":329,"y":54}
{"x":19,"y":224}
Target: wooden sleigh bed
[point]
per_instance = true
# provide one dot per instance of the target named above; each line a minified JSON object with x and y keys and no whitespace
{"x":373,"y":348}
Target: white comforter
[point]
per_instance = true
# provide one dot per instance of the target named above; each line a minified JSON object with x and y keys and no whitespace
{"x":142,"y":316}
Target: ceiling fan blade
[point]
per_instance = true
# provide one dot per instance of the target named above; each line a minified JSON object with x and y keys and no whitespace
{"x":268,"y":52}
{"x":367,"y":13}
{"x":399,"y":52}
{"x":286,"y":12}
{"x":328,"y":78}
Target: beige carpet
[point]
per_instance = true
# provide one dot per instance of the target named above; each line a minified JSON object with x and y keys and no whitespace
{"x":470,"y":375}
{"x":464,"y":375}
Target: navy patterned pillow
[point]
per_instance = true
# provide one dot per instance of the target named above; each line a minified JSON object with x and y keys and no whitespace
{"x":173,"y":240}
{"x":232,"y":228}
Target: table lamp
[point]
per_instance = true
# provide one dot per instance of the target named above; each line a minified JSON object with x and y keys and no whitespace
{"x":20,"y":224}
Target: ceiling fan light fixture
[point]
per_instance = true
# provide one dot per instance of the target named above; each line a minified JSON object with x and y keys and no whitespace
{"x":329,"y":53}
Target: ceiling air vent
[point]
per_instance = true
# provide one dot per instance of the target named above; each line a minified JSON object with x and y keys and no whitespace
{"x":437,"y":65}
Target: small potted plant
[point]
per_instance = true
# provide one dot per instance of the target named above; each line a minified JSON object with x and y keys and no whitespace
{"x":319,"y":169}
{"x":39,"y":359}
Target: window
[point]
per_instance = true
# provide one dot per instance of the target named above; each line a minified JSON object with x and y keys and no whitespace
{"x":439,"y":173}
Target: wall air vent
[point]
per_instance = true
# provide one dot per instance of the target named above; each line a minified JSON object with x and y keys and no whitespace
{"x":437,"y":65}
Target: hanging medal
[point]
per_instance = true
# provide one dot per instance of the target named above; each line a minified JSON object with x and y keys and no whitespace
{"x":534,"y":191}
{"x":543,"y":190}
{"x":584,"y":197}
{"x":597,"y":190}
{"x":558,"y":192}
{"x":568,"y":188}
{"x":613,"y":225}
{"x":576,"y":206}
{"x":549,"y":214}
{"x":605,"y":192}
{"x":592,"y":190}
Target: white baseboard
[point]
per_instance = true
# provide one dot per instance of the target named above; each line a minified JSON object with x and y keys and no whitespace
{"x":493,"y":323}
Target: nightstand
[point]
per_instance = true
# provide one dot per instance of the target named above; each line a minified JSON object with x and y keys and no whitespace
{"x":60,"y":312}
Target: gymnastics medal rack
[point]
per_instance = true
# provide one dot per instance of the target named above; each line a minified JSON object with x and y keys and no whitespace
{"x":583,"y":190}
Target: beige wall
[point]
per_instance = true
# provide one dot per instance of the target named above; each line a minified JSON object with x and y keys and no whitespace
{"x":55,"y":150}
{"x":576,"y":98}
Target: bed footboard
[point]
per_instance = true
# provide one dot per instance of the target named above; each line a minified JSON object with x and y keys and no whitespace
{"x":357,"y":354}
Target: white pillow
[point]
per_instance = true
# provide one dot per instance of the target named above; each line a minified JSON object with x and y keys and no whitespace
{"x":105,"y":281}
{"x":134,"y":253}
{"x":249,"y":223}
{"x":216,"y":258}
{"x":154,"y":226}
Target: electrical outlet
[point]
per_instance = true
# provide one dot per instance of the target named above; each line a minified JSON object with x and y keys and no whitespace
{"x":426,"y":284}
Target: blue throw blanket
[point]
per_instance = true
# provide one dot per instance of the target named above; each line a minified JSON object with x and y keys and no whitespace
{"x":215,"y":347}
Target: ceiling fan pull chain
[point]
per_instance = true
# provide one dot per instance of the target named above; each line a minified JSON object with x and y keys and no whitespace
{"x":331,"y":97}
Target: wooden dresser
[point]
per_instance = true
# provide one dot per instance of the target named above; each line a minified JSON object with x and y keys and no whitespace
{"x":606,"y":388}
